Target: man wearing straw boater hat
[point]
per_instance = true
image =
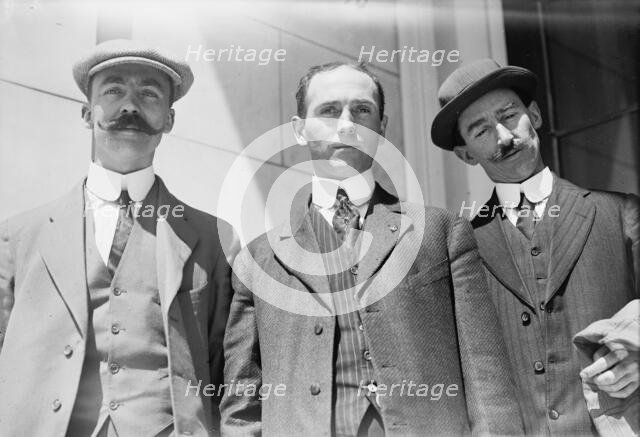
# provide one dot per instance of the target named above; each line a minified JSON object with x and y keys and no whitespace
{"x":558,"y":258}
{"x":114,"y":298}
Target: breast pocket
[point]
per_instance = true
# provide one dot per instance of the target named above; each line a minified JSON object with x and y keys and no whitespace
{"x":428,"y":274}
{"x":197,"y":296}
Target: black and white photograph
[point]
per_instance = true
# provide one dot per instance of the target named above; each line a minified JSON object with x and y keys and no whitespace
{"x":340,"y":218}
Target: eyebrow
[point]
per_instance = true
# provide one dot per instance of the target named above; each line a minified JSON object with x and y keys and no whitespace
{"x":505,"y":108}
{"x":475,"y":124}
{"x":112,"y":79}
{"x":151,"y":82}
{"x":481,"y":120}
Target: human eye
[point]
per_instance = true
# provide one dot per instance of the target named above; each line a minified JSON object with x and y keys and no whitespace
{"x":112,"y":90}
{"x":480,"y":132}
{"x":329,"y":111}
{"x":150,"y":93}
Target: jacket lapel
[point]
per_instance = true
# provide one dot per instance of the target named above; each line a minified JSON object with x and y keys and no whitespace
{"x":175,"y":241}
{"x":494,"y":250}
{"x":570,"y":231}
{"x":63,"y":254}
{"x":298,"y":246}
{"x":384,"y":222}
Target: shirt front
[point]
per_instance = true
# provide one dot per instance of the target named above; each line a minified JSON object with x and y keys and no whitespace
{"x":359,"y":188}
{"x":536,"y":189}
{"x":103,"y":188}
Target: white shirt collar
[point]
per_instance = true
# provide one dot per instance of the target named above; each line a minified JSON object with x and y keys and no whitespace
{"x":359,"y":188}
{"x":537,"y":188}
{"x":107,"y":184}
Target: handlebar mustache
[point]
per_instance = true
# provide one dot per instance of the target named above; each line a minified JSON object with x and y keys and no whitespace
{"x":128,"y":121}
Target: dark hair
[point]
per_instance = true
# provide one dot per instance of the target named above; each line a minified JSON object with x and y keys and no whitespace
{"x":303,"y":85}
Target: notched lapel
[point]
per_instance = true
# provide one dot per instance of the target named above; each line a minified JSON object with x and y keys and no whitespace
{"x":175,"y":241}
{"x":386,"y":227}
{"x":570,"y":231}
{"x":302,"y":248}
{"x":494,"y":251}
{"x":62,"y":252}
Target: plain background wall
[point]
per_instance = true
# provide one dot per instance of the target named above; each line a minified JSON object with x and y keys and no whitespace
{"x":45,"y":149}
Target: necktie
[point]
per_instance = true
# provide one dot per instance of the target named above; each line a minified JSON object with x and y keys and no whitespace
{"x":526,"y":217}
{"x":123,"y":229}
{"x":346,"y":217}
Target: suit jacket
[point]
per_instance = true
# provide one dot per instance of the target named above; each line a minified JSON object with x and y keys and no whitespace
{"x":593,"y":272}
{"x":44,"y":314}
{"x":437,"y":326}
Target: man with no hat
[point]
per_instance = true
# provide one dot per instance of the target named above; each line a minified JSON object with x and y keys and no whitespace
{"x":355,"y":331}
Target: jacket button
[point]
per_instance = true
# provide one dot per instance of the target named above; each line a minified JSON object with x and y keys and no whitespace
{"x":113,"y":405}
{"x":367,"y":355}
{"x":542,"y":306}
{"x":361,"y":327}
{"x":315,"y":389}
{"x":318,"y":329}
{"x":538,"y":367}
{"x":68,"y":351}
{"x":117,"y":291}
{"x":526,"y":318}
{"x":114,"y":368}
{"x":115,"y":329}
{"x":354,"y":270}
{"x":535,"y":251}
{"x":553,"y":415}
{"x":56,"y":405}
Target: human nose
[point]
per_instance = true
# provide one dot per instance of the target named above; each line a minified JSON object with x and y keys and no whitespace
{"x":345,"y":123}
{"x":505,"y":137}
{"x":130,"y":105}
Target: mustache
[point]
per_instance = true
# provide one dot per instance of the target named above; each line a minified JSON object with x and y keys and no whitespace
{"x":515,"y":145}
{"x":129,"y":121}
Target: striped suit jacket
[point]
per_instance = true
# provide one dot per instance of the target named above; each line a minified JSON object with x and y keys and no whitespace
{"x":593,"y":272}
{"x":437,"y":326}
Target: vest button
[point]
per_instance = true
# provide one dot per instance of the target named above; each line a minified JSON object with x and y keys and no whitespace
{"x":367,"y":355}
{"x":553,"y":415}
{"x":361,"y":327}
{"x":354,"y":270}
{"x":315,"y":389}
{"x":114,"y":368}
{"x":113,"y":405}
{"x":535,"y":251}
{"x":115,"y":329}
{"x":538,"y":367}
{"x":318,"y":329}
{"x":56,"y":405}
{"x":68,"y":351}
{"x":542,"y":306}
{"x":526,"y":318}
{"x":117,"y":291}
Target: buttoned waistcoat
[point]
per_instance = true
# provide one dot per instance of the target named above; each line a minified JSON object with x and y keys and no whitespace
{"x":44,"y":312}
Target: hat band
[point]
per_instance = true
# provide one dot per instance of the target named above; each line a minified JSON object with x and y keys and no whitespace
{"x":175,"y":77}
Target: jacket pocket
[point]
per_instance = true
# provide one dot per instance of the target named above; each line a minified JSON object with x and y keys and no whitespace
{"x":428,"y":274}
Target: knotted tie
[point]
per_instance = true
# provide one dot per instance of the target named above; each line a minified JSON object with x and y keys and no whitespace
{"x":526,"y":217}
{"x":346,"y":217}
{"x":123,"y":229}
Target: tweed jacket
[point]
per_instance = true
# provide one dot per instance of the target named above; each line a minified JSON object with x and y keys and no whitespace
{"x":436,"y":326}
{"x":592,"y":273}
{"x":44,"y":315}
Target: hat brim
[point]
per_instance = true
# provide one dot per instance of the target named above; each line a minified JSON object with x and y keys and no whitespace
{"x":444,"y":126}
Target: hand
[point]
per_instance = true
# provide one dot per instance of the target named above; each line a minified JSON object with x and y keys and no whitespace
{"x":615,"y":372}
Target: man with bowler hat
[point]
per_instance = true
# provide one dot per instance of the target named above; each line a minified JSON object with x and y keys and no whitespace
{"x":558,"y":257}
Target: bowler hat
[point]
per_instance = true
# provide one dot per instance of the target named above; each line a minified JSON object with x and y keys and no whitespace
{"x":124,"y":51}
{"x":466,"y":85}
